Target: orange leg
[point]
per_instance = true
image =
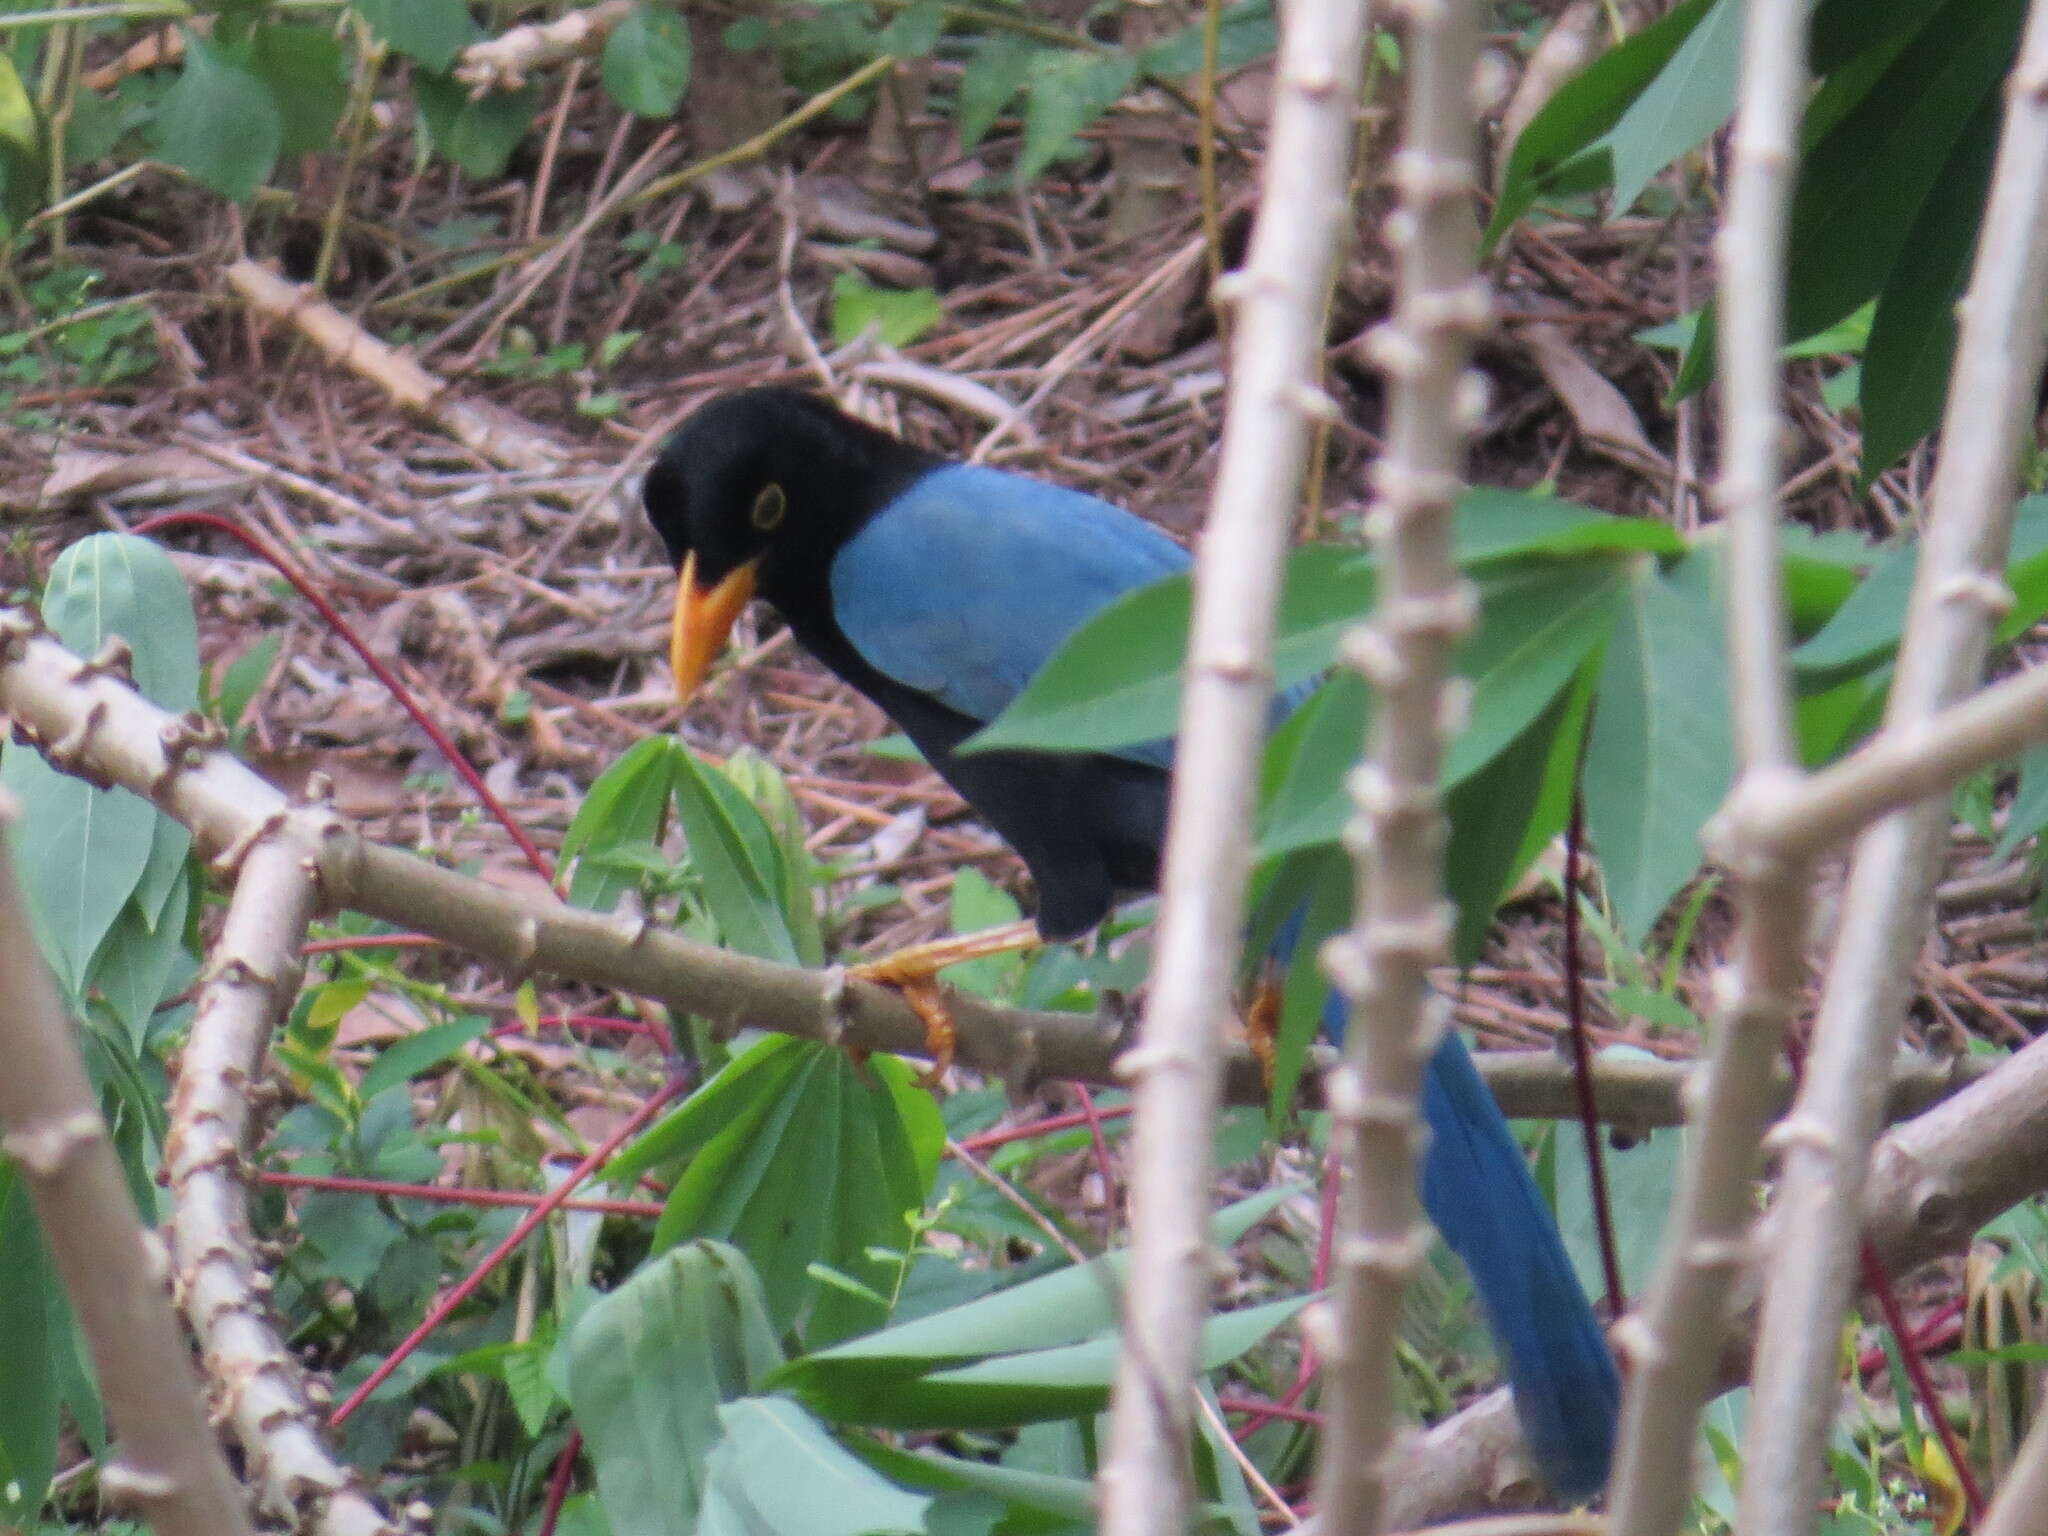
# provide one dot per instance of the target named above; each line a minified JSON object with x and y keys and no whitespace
{"x":1262,"y":1022}
{"x":914,"y":973}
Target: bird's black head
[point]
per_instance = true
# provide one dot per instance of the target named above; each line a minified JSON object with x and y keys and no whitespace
{"x":756,"y":493}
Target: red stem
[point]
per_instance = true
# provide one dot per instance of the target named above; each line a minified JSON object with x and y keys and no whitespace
{"x":1102,"y":1164}
{"x":1879,"y":1284}
{"x":439,"y":1312}
{"x":1046,"y":1127}
{"x":341,"y":1184}
{"x":327,"y":611}
{"x":1232,"y":1404}
{"x":1582,"y":1062}
{"x":558,"y":1482}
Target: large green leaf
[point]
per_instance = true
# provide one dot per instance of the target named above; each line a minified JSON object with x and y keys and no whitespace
{"x":1641,"y":1184}
{"x":477,"y":133}
{"x":1659,"y":760}
{"x":1863,"y":182}
{"x":82,"y":852}
{"x":1117,"y":679}
{"x":777,"y":1472}
{"x":302,"y":66}
{"x":734,"y":851}
{"x":140,"y":965}
{"x":1866,"y":628}
{"x":431,"y":31}
{"x":881,"y":1372}
{"x":649,"y":1367}
{"x":1069,"y":90}
{"x":995,"y":73}
{"x":819,"y":1171}
{"x":1028,"y":1386}
{"x":1539,"y":619}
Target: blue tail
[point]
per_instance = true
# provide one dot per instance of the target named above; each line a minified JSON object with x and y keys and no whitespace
{"x":1477,"y":1188}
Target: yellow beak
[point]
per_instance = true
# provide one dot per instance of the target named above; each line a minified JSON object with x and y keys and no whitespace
{"x":704,"y":617}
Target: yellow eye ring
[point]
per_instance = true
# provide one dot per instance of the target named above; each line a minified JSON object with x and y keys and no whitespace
{"x":768,"y":507}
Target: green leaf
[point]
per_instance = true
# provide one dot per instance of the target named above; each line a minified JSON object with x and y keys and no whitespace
{"x":646,"y":63}
{"x":141,"y":963}
{"x":2028,"y":813}
{"x":649,"y":1366}
{"x":1069,"y":90}
{"x":1641,"y":1186}
{"x":994,"y":75}
{"x":625,"y":806}
{"x":83,"y":852}
{"x":302,"y":66}
{"x":896,"y":317}
{"x":431,"y":31}
{"x":818,"y":1169}
{"x":1505,"y":814}
{"x":1071,"y":1306}
{"x":245,"y":674}
{"x":1245,"y":35}
{"x":733,"y":850}
{"x":411,"y":1055}
{"x":1863,"y":183}
{"x":1690,"y":97}
{"x":738,"y":1093}
{"x":165,"y":872}
{"x":776,"y":1472}
{"x":477,"y":135}
{"x":1868,"y":624}
{"x":1554,"y":152}
{"x":219,"y":121}
{"x":1029,"y":1386}
{"x":1538,"y":621}
{"x":1116,"y":680}
{"x":915,"y":31}
{"x":1913,"y":333}
{"x":24,"y":164}
{"x":1659,"y":760}
{"x":29,"y":1343}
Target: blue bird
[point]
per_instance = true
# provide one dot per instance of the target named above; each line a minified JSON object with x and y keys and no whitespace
{"x":937,"y":589}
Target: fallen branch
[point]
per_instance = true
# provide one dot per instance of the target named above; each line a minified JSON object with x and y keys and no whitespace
{"x":486,"y":432}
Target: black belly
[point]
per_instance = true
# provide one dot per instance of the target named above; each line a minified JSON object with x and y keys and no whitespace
{"x":1089,"y":826}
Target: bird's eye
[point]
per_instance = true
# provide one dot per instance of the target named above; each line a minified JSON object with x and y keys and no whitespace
{"x":769,"y":507}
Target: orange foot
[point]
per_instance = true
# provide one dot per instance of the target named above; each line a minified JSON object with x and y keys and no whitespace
{"x":914,"y":973}
{"x":1262,"y":1023}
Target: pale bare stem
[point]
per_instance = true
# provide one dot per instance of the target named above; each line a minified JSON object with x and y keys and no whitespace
{"x":1957,"y":599}
{"x":170,"y":1470}
{"x":1176,"y":1067}
{"x":2016,"y":1510}
{"x":1933,"y":1182}
{"x":251,"y":979}
{"x":1396,"y":836}
{"x":1674,"y":1344}
{"x":90,"y":721}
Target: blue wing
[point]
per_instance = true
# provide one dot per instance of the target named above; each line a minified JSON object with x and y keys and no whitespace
{"x":965,"y":584}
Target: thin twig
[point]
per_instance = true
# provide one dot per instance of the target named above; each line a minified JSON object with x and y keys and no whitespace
{"x":1674,"y":1345}
{"x":1958,"y":596}
{"x":1402,"y":923}
{"x":1176,"y":1067}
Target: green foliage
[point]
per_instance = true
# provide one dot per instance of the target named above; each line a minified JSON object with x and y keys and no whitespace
{"x":1897,"y":153}
{"x":896,"y":318}
{"x":649,"y":1366}
{"x":646,"y":64}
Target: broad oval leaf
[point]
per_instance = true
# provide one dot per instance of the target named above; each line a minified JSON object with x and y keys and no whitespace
{"x":646,"y":64}
{"x":777,"y":1472}
{"x":219,"y":121}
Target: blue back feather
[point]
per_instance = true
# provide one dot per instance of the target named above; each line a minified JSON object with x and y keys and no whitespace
{"x":965,"y":584}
